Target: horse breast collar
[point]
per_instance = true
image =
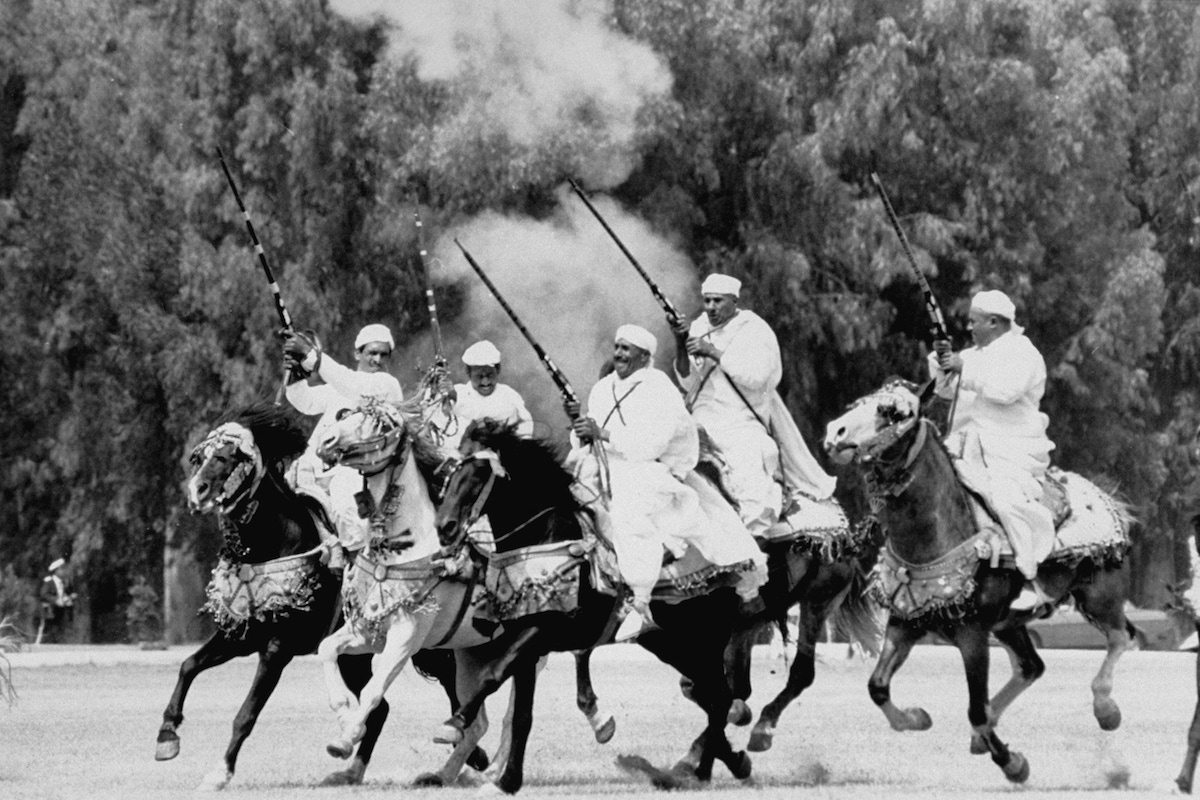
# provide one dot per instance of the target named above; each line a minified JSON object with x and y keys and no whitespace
{"x":379,"y":517}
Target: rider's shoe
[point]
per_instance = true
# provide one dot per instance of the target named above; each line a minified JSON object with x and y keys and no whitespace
{"x":636,"y":622}
{"x":1032,"y":597}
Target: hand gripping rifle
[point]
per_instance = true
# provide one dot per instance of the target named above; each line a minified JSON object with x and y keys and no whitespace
{"x":284,"y":318}
{"x":673,"y":316}
{"x":937,"y":323}
{"x":556,"y":374}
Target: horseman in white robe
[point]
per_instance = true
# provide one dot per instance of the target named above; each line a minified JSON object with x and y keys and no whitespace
{"x":998,"y":429}
{"x":484,"y":397}
{"x":728,"y":364}
{"x":653,"y":446}
{"x":322,"y":386}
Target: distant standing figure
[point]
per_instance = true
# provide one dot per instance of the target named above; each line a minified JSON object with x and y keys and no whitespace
{"x":58,"y":603}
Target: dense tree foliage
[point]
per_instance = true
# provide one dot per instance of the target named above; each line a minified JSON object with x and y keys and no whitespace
{"x":1044,"y":148}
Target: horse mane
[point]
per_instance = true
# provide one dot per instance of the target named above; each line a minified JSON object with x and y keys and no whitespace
{"x":540,"y":461}
{"x":276,"y":430}
{"x":430,"y":458}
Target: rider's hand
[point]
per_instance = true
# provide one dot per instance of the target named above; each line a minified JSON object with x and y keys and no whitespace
{"x":950,"y":362}
{"x":586,"y":429}
{"x":572,"y":408}
{"x":680,"y":330}
{"x":703,"y":348}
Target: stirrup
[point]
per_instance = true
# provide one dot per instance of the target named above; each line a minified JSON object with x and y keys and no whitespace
{"x":1031,"y":597}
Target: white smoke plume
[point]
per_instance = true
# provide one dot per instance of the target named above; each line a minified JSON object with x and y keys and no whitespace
{"x":570,"y":285}
{"x":539,"y":70}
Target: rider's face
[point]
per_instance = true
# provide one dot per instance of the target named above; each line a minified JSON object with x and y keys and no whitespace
{"x":985,"y":328}
{"x":628,"y":358}
{"x":484,"y":378}
{"x":720,"y":308}
{"x":373,"y":357}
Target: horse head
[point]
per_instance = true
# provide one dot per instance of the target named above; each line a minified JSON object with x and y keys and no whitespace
{"x":874,"y":424}
{"x":367,"y":438}
{"x":230,"y":463}
{"x":514,"y":480}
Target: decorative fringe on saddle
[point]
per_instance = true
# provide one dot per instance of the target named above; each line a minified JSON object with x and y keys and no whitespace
{"x":534,"y":580}
{"x":941,"y":589}
{"x":240,"y":594}
{"x":373,"y":591}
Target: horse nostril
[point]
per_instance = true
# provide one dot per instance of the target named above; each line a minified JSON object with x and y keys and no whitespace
{"x":202,"y":488}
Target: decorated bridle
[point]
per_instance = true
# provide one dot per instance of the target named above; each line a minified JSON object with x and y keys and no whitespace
{"x":892,"y":475}
{"x":372,"y":453}
{"x":497,"y":470}
{"x":247,"y":473}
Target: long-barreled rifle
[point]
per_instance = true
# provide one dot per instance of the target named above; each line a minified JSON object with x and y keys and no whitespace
{"x":433,"y":378}
{"x":937,"y":322}
{"x":285,"y":319}
{"x":556,"y":374}
{"x":673,"y":315}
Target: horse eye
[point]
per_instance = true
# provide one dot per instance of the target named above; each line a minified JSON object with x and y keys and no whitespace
{"x":342,"y":414}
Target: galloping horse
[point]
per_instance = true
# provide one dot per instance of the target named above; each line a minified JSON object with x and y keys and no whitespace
{"x":945,"y":569}
{"x":545,"y":591}
{"x":270,"y":594}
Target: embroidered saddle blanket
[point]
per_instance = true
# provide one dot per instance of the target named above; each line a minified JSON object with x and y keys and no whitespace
{"x":819,"y":527}
{"x":533,"y":580}
{"x":241,"y":593}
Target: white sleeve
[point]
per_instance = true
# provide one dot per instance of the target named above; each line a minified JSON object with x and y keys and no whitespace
{"x":352,"y":383}
{"x":306,"y":398}
{"x":752,"y":358}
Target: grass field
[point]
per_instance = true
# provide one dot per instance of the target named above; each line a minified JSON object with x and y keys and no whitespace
{"x":85,"y":722}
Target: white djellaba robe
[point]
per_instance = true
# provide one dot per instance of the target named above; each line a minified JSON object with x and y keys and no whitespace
{"x":750,"y":357}
{"x":344,"y":389}
{"x":657,"y":499}
{"x":1000,"y":435}
{"x":504,"y":404}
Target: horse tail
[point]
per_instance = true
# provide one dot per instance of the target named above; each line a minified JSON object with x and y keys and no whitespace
{"x":857,"y":616}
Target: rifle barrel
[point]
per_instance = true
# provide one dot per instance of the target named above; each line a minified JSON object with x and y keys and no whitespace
{"x":430,"y":302}
{"x":937,"y":322}
{"x":556,"y":374}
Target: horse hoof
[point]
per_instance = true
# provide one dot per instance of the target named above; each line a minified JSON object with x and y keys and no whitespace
{"x":1183,"y":785}
{"x":167,"y":749}
{"x":1108,"y":715}
{"x":216,"y":780}
{"x":478,"y":760}
{"x":345,"y":777}
{"x":427,"y":780}
{"x":340,"y":748}
{"x":740,"y":765}
{"x":684,"y":767}
{"x":978,"y":745}
{"x":605,"y":732}
{"x":448,"y":734}
{"x":760,"y":741}
{"x":1017,"y":768}
{"x":918,"y":719}
{"x":740,"y":713}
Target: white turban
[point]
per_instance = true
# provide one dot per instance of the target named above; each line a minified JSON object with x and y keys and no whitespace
{"x":994,"y":302}
{"x":481,"y":354}
{"x":55,"y":564}
{"x":374,"y":333}
{"x":721,"y":284}
{"x":637,"y":336}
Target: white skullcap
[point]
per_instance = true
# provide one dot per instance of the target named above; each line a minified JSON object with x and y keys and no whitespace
{"x":994,"y":302}
{"x":374,"y":333}
{"x":637,"y":336}
{"x":721,"y":284}
{"x":56,"y":563}
{"x":481,"y":354}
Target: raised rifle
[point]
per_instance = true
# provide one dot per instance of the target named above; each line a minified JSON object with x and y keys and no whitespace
{"x":435,"y":374}
{"x":673,"y":316}
{"x":556,"y":374}
{"x":285,"y":319}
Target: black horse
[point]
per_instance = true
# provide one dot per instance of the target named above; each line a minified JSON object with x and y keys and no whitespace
{"x":939,"y":572}
{"x":271,"y":593}
{"x":526,"y":493}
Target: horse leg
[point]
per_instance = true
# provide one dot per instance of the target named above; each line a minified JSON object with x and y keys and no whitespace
{"x":1102,"y":601}
{"x":603,"y":725}
{"x":271,"y":662}
{"x":441,"y":665}
{"x":737,"y":669}
{"x":467,"y":666}
{"x":216,"y":651}
{"x":344,"y":640}
{"x":800,"y":677}
{"x":490,"y":677}
{"x":1027,"y":667}
{"x":524,"y":682}
{"x":404,"y":637}
{"x":356,"y":671}
{"x":1188,"y":771}
{"x":898,"y":641}
{"x":972,"y":643}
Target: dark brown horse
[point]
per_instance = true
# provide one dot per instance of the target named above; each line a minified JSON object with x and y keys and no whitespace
{"x":271,"y":593}
{"x":522,"y":487}
{"x":940,"y":574}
